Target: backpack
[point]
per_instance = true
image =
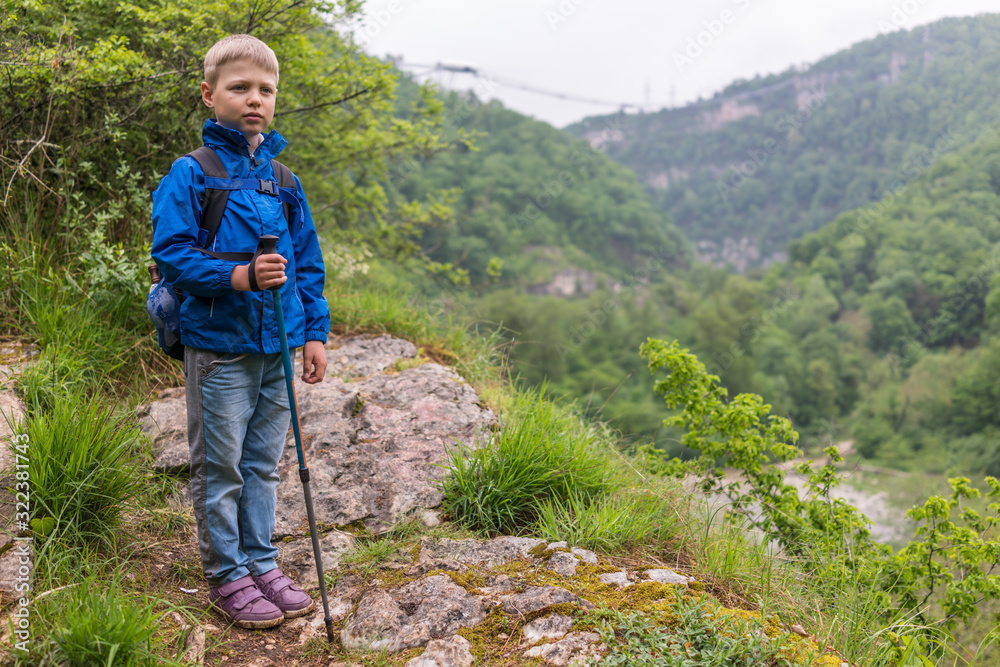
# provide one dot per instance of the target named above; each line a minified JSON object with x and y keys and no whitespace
{"x":164,"y":300}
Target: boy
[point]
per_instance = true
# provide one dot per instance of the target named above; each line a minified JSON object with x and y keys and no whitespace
{"x":237,"y":401}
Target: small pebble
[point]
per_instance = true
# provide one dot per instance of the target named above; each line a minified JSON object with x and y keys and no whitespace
{"x":269,"y":647}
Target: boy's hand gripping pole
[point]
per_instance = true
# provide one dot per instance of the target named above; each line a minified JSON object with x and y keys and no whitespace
{"x":269,"y":246}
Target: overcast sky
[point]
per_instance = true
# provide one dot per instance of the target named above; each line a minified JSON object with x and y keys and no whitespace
{"x":628,"y":51}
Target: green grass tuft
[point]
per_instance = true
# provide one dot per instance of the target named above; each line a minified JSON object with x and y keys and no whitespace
{"x":95,"y":623}
{"x":543,"y":453}
{"x":609,"y":523}
{"x":84,"y":467}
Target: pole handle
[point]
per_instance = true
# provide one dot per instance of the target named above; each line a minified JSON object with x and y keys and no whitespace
{"x":269,"y":244}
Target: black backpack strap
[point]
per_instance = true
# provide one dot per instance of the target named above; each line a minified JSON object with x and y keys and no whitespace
{"x":214,"y":203}
{"x":285,"y":180}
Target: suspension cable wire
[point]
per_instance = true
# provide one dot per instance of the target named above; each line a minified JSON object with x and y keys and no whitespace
{"x":508,"y":83}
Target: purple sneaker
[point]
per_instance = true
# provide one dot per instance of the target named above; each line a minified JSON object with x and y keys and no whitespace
{"x":282,"y":591}
{"x":244,"y":604}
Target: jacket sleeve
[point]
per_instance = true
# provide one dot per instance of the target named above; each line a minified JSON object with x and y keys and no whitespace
{"x":310,"y":274}
{"x":176,"y":213}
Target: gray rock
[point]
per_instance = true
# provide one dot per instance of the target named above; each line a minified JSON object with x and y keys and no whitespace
{"x":439,"y":605}
{"x":451,"y":652}
{"x":475,"y":552}
{"x":585,"y":555}
{"x":361,"y":356}
{"x":411,"y":615}
{"x":373,"y":444}
{"x":431,"y":518}
{"x":562,"y":563}
{"x":344,"y":596}
{"x":538,"y":597}
{"x":668,"y":577}
{"x":499,"y":585}
{"x":446,"y":564}
{"x":164,"y":421}
{"x":554,"y":626}
{"x":575,"y":648}
{"x":194,"y":647}
{"x":377,"y":460}
{"x":374,"y":625}
{"x":557,"y":545}
{"x":298,"y":560}
{"x":619,"y":579}
{"x":11,"y":413}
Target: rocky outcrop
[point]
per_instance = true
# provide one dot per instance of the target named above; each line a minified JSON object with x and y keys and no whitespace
{"x":411,"y":615}
{"x":452,"y":587}
{"x":374,"y":432}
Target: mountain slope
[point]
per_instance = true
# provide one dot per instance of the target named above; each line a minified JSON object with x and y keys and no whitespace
{"x":768,"y":160}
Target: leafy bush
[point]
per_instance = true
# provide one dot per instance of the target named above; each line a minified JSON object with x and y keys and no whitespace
{"x":940,"y":579}
{"x":83,"y":467}
{"x":542,"y":453}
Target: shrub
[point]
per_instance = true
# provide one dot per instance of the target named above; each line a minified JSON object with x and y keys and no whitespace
{"x":937,"y":581}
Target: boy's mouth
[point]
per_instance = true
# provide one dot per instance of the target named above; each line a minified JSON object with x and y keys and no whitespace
{"x":253,"y":116}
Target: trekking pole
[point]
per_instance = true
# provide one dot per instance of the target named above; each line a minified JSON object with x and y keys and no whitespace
{"x":269,"y":246}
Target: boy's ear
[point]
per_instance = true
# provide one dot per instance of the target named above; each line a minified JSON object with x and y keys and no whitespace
{"x":206,"y":95}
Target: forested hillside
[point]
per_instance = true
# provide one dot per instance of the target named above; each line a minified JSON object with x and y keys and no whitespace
{"x":768,"y":160}
{"x":534,"y":201}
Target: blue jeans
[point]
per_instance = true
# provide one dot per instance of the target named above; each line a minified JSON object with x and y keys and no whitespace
{"x":238,"y":418}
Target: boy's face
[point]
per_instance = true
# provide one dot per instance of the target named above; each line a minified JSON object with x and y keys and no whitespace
{"x":243,"y":98}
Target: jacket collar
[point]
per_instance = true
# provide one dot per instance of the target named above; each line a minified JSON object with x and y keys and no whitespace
{"x":214,"y":134}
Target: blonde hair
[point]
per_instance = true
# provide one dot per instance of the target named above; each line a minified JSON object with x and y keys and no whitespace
{"x":238,"y":47}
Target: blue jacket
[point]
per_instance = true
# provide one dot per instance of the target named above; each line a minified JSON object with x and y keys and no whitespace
{"x":214,"y":316}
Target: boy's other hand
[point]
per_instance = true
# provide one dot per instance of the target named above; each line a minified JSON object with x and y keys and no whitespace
{"x":313,"y":362}
{"x":269,"y":270}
